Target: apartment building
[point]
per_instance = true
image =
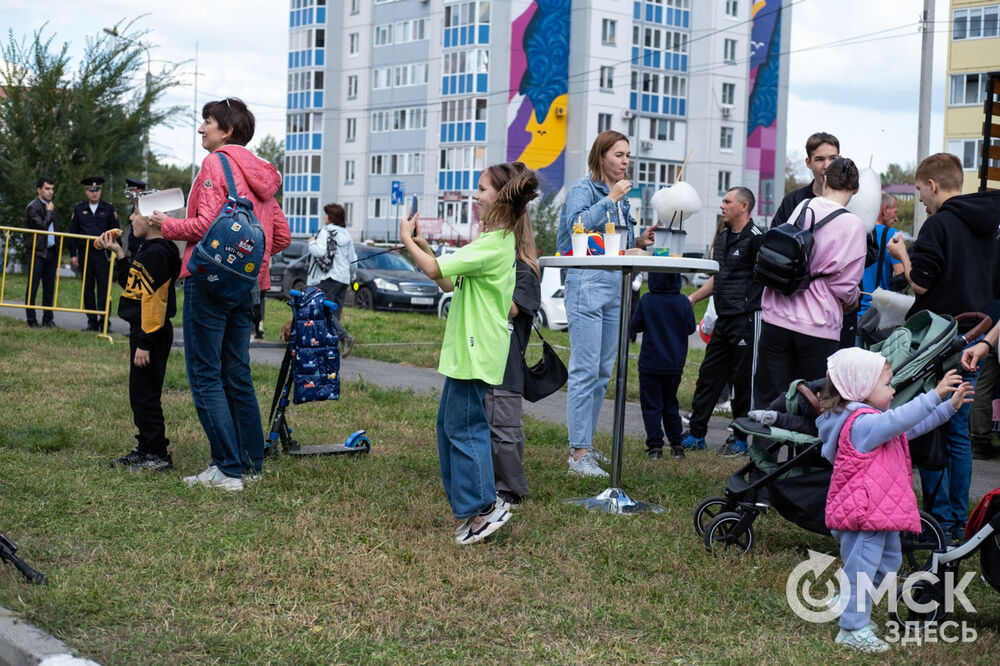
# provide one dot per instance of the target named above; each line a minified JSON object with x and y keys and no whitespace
{"x":390,"y":98}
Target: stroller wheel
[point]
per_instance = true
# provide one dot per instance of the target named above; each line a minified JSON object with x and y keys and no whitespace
{"x":920,"y":604}
{"x":727,"y":534}
{"x":706,"y":513}
{"x":918,"y":548}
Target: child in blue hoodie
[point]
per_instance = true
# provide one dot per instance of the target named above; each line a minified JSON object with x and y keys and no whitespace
{"x":665,"y":318}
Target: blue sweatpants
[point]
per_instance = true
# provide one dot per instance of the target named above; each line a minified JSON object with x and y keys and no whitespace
{"x":874,"y":554}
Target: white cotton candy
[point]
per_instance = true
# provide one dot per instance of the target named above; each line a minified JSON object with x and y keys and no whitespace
{"x":675,"y":203}
{"x":866,"y":203}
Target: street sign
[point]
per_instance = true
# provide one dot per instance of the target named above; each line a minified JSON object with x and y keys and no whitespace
{"x":397,"y":192}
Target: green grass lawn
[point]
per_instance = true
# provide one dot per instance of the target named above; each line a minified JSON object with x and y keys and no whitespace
{"x":343,"y":561}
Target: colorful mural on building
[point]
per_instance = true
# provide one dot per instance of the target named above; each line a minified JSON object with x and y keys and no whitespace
{"x":762,"y":116}
{"x":537,"y":94}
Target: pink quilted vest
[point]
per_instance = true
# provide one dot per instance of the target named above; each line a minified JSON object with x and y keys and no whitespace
{"x":871,"y":492}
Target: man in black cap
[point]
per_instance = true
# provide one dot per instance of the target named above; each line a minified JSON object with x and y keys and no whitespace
{"x":92,"y":218}
{"x":130,"y":242}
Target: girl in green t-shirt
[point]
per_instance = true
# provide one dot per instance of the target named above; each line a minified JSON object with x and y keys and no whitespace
{"x":476,"y":340}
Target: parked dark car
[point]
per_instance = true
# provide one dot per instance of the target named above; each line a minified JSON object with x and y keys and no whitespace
{"x":279,"y":263}
{"x":386,"y":281}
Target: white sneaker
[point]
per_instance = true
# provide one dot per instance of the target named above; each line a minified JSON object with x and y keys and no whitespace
{"x":863,"y":640}
{"x":494,"y":521}
{"x":213,"y":477}
{"x":585,"y":466}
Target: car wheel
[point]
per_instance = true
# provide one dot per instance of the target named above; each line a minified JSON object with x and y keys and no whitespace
{"x":541,"y":321}
{"x":299,"y":285}
{"x":685,"y":281}
{"x":445,"y":307}
{"x":364,"y":299}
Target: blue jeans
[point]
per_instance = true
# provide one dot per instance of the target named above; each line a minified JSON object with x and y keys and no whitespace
{"x":217,"y":353}
{"x":464,"y":449}
{"x":593,"y":306}
{"x":946,"y":491}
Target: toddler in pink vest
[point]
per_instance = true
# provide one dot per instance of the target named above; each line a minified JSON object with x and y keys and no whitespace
{"x":871,"y":491}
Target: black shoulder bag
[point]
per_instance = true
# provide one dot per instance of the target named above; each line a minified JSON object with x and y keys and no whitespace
{"x":545,"y":377}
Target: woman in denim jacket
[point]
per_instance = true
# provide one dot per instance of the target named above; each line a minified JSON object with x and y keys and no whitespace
{"x":593,"y":298}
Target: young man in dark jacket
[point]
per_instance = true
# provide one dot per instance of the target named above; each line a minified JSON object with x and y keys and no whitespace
{"x":821,"y":149}
{"x":730,"y":352}
{"x":666,"y":319}
{"x":41,"y":215}
{"x":147,"y":304}
{"x":950,"y":268}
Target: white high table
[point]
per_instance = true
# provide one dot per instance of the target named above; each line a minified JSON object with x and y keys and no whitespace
{"x":614,"y":499}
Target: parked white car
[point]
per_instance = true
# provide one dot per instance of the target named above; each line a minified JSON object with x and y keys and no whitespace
{"x":551,"y":313}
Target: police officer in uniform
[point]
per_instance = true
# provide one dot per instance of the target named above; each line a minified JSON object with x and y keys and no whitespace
{"x":92,"y":217}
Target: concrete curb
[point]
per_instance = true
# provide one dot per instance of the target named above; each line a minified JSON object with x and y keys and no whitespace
{"x":22,"y":644}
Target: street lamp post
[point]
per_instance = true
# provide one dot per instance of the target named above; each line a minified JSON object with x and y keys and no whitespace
{"x":149,"y":85}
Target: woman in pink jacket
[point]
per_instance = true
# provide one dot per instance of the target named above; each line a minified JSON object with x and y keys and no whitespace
{"x":217,"y":336}
{"x":871,"y":490}
{"x":800,"y":331}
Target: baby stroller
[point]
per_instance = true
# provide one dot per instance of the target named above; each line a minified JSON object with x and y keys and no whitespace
{"x":920,"y":352}
{"x":924,"y":601}
{"x":312,"y":366}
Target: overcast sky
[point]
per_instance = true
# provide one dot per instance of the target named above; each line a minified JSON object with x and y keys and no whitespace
{"x":855,"y":64}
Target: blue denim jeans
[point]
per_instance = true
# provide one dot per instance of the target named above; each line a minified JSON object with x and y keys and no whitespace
{"x":217,"y":354}
{"x":464,"y":449}
{"x":593,"y":306}
{"x":946,"y":491}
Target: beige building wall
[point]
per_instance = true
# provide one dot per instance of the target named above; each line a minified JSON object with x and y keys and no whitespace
{"x":973,"y":51}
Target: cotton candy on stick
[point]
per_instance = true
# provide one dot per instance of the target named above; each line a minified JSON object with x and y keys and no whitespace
{"x":866,"y":203}
{"x":677,"y":201}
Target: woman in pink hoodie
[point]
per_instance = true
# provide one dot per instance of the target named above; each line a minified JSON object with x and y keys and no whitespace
{"x":217,"y":336}
{"x":798,"y":332}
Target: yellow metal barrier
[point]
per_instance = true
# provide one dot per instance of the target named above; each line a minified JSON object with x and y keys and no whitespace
{"x":61,"y":237}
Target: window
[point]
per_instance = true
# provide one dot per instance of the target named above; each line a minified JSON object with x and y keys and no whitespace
{"x":661,"y":129}
{"x":352,"y":86}
{"x":603,"y":122}
{"x":724,"y":177}
{"x":378,"y":207}
{"x":352,"y":129}
{"x":320,"y":38}
{"x":729,"y":51}
{"x":976,"y":23}
{"x":967,"y":89}
{"x":353,"y":43}
{"x":732,"y":7}
{"x":607,"y":75}
{"x":355,"y":7}
{"x":653,"y":38}
{"x":348,"y":213}
{"x":318,"y":80}
{"x":348,"y":172}
{"x":726,"y":139}
{"x":608,"y":31}
{"x":728,"y":93}
{"x":411,"y":31}
{"x":650,"y":82}
{"x":383,"y":35}
{"x":970,"y":152}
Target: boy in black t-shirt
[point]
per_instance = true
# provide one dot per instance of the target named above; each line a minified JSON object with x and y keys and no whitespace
{"x":147,"y":304}
{"x":666,"y":319}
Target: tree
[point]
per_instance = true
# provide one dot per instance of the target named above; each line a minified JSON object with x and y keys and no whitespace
{"x":68,"y":125}
{"x":897,"y":175}
{"x":272,"y":150}
{"x":544,"y":213}
{"x":796,"y":174}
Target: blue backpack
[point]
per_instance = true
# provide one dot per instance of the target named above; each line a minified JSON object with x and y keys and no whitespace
{"x":227,"y":259}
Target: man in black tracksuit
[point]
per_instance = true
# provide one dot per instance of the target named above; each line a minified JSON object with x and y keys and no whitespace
{"x":147,"y":303}
{"x":730,"y":352}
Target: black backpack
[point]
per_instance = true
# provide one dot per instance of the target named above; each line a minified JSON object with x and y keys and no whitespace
{"x":783,"y":260}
